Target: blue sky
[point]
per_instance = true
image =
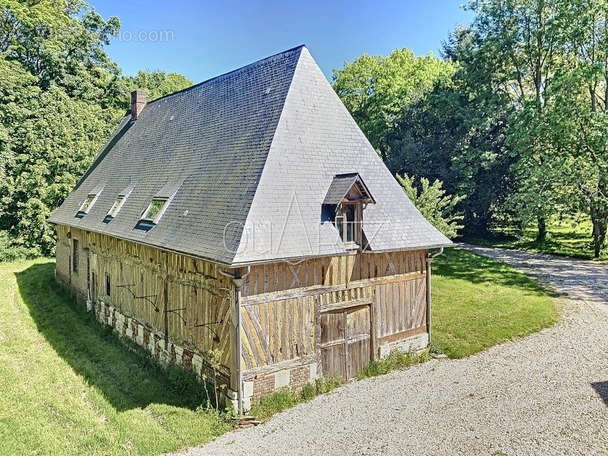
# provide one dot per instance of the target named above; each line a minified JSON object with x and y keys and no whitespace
{"x":204,"y":39}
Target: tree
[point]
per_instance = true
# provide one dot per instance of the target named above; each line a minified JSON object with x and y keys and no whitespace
{"x":61,"y":42}
{"x":376,"y":89}
{"x":457,"y":137}
{"x":456,"y":133}
{"x":60,"y":97}
{"x":577,"y":109}
{"x":517,"y":53}
{"x":56,"y":108}
{"x":157,"y":83}
{"x":53,"y":147}
{"x":432,"y":201}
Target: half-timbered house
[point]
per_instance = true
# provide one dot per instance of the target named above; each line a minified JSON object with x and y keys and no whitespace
{"x":248,"y":219}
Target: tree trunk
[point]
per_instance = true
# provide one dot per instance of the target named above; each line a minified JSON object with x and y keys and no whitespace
{"x":541,"y":236}
{"x":599,"y":236}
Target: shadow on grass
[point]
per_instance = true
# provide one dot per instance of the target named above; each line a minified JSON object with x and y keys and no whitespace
{"x":461,"y":264}
{"x":601,"y":388}
{"x":125,"y":374}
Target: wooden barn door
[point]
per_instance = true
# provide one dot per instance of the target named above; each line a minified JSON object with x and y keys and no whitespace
{"x":345,"y":341}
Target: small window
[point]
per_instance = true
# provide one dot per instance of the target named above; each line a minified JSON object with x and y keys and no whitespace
{"x":88,"y":203}
{"x":108,"y":284}
{"x":155,"y":210}
{"x":348,"y":223}
{"x":85,"y":207}
{"x":120,"y":201}
{"x":159,"y":204}
{"x":116,"y":207}
{"x":75,"y":257}
{"x":348,"y":196}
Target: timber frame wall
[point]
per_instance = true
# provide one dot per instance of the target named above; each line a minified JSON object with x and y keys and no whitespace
{"x":295,"y":316}
{"x":283,"y":308}
{"x":176,"y":307}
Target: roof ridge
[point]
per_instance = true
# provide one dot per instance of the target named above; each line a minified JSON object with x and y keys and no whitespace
{"x":236,"y":71}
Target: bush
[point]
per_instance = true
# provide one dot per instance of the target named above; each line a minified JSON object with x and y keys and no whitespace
{"x":273,"y":403}
{"x":395,"y":360}
{"x":286,"y":398}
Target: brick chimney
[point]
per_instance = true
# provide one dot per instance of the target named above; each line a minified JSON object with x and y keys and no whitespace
{"x":138,"y":101}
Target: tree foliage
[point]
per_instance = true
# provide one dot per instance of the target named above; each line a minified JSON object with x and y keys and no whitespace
{"x":60,"y":97}
{"x":456,"y":136}
{"x":375,"y":89}
{"x":157,"y":83}
{"x":432,"y":201}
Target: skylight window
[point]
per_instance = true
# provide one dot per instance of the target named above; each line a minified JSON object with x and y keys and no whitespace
{"x":158,"y":205}
{"x":120,"y":201}
{"x":116,"y":207}
{"x":88,"y":203}
{"x":85,"y":207}
{"x":155,"y":210}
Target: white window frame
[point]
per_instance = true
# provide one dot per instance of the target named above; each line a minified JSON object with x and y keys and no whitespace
{"x":160,"y":213}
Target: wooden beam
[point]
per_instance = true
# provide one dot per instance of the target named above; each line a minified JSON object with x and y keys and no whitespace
{"x":345,"y":304}
{"x":402,"y":335}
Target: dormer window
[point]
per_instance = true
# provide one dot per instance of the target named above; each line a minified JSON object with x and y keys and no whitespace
{"x":348,"y":222}
{"x":88,"y":203}
{"x":86,"y":206}
{"x":116,"y":206}
{"x":349,"y":196}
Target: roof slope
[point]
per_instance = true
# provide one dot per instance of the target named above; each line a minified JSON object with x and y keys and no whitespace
{"x":317,"y":139}
{"x":254,"y":153}
{"x":214,"y":137}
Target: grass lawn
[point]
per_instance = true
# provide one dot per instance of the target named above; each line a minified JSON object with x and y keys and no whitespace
{"x":570,"y":238}
{"x":479,"y":302}
{"x":70,"y":387}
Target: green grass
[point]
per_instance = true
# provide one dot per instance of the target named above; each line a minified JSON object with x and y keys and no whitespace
{"x":571,"y":238}
{"x":286,"y":398}
{"x":479,"y":302}
{"x":69,"y":386}
{"x":395,"y":360}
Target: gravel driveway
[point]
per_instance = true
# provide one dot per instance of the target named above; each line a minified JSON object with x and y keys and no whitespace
{"x":538,"y":395}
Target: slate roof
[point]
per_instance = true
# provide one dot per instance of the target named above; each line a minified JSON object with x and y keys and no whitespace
{"x":252,"y":154}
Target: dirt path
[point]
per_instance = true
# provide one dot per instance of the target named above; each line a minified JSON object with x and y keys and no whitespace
{"x":544,"y":394}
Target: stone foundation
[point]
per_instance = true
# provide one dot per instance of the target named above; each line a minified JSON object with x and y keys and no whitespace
{"x":411,"y":344}
{"x":165,"y":352}
{"x":293,"y":377}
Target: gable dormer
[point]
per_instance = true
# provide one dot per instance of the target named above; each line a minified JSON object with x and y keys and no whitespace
{"x":348,"y":196}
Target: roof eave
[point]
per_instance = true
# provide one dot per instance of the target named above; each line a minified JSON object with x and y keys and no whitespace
{"x":164,"y":249}
{"x":242,"y":264}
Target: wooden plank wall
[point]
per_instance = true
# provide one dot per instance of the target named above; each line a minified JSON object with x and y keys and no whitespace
{"x":185,"y":299}
{"x":278,"y":331}
{"x":279,"y":300}
{"x":190,"y":301}
{"x":331,"y":272}
{"x":400,"y":305}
